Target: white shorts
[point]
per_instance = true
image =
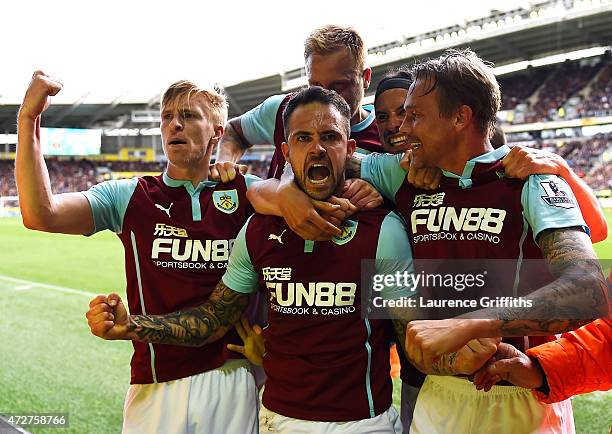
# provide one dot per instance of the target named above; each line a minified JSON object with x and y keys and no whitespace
{"x":453,"y":405}
{"x":221,"y":401}
{"x":385,"y":423}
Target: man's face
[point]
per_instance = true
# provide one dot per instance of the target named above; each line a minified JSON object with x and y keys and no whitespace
{"x":186,"y":131}
{"x":317,"y":148}
{"x":432,"y":136}
{"x":390,"y":114}
{"x":337,"y":71}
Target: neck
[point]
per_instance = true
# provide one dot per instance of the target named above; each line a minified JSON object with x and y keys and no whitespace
{"x":467,"y":148}
{"x":193,"y":174}
{"x":359,"y":116}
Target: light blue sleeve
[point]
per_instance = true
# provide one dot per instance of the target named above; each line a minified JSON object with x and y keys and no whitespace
{"x":548,"y":203}
{"x":258,"y":123}
{"x":394,"y":255}
{"x":109,"y":201}
{"x":240,"y":274}
{"x":250,"y":179}
{"x":384,"y":172}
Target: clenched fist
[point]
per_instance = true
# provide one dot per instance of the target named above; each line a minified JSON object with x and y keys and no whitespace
{"x":107,"y":317}
{"x":37,"y":96}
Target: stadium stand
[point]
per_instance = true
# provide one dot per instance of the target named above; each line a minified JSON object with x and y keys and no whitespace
{"x":571,"y":90}
{"x":574,"y":88}
{"x":599,"y":100}
{"x":518,"y":87}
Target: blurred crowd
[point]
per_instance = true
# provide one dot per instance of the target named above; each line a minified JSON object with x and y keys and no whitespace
{"x":569,"y":91}
{"x":583,"y":155}
{"x":77,"y":175}
{"x":258,"y":167}
{"x":66,"y":175}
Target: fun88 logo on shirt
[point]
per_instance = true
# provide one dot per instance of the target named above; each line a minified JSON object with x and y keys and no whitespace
{"x":308,"y":296}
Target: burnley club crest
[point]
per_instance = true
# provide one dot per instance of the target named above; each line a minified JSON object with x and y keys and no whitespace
{"x":226,"y":200}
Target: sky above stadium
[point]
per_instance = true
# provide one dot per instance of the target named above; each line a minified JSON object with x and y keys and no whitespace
{"x":132,"y":49}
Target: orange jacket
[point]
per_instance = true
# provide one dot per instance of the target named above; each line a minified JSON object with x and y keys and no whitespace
{"x":579,"y":362}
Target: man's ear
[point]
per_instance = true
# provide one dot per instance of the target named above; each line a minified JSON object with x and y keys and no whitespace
{"x":367,"y":77}
{"x":351,"y":145}
{"x":218,"y":129}
{"x":285,"y":150}
{"x":214,"y":140}
{"x":463,"y":117}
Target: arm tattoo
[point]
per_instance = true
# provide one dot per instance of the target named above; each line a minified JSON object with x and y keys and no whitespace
{"x":353,"y":167}
{"x":577,"y":296}
{"x":195,"y":326}
{"x":445,"y":365}
{"x":232,"y":145}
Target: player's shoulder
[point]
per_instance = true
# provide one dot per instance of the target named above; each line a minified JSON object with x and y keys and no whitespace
{"x":260,"y":228}
{"x":116,"y":185}
{"x":240,"y":183}
{"x":384,"y":158}
{"x":262,"y":222}
{"x":553,"y":190}
{"x":553,"y":184}
{"x":278,"y":101}
{"x":378,"y":216}
{"x":542,"y":177}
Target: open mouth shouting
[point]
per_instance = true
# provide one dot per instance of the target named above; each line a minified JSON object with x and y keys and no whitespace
{"x":318,"y":173}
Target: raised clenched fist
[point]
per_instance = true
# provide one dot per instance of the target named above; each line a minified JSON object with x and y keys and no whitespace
{"x":37,"y":96}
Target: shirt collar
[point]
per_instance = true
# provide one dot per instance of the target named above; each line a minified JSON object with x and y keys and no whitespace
{"x":465,"y":180}
{"x":170,"y":182}
{"x":367,"y":121}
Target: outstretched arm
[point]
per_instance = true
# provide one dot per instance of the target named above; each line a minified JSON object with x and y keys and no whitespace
{"x":193,"y":327}
{"x":578,"y":362}
{"x":40,"y":209}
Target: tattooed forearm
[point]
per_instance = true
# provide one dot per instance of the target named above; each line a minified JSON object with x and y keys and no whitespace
{"x":192,"y":327}
{"x":578,"y":295}
{"x":353,"y":167}
{"x":445,"y":365}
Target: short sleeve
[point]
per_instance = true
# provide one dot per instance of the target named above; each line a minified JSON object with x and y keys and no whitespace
{"x":394,"y":255}
{"x":251,"y":179}
{"x":548,"y":203}
{"x":109,"y":201}
{"x":240,"y":274}
{"x":258,"y":124}
{"x":384,"y":172}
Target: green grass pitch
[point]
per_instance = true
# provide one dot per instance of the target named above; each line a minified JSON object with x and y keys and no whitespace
{"x":50,"y":362}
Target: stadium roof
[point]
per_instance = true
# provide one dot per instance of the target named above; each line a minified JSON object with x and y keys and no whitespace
{"x":541,"y":29}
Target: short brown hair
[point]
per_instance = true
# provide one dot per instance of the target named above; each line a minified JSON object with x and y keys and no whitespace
{"x":330,"y":38}
{"x":462,"y":78}
{"x":316,"y":94}
{"x":214,"y":100}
